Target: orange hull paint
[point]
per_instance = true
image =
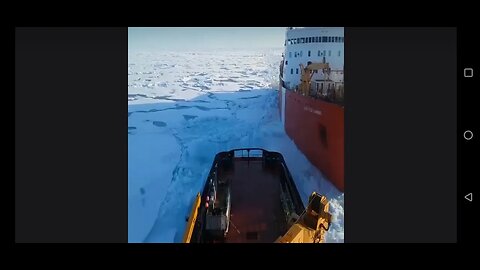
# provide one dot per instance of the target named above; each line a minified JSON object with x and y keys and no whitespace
{"x":317,"y":128}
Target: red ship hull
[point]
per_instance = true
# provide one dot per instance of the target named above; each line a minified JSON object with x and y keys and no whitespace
{"x":317,"y":128}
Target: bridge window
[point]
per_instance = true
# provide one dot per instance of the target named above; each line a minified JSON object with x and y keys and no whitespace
{"x":286,"y":62}
{"x":324,"y":39}
{"x":339,"y":52}
{"x":329,"y":53}
{"x":291,"y":71}
{"x":298,"y":41}
{"x":301,"y":53}
{"x":297,"y":71}
{"x":319,"y":53}
{"x":289,"y":54}
{"x":309,"y":53}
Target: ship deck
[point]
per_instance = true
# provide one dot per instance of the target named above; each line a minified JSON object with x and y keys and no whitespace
{"x":256,"y":212}
{"x":262,"y":196}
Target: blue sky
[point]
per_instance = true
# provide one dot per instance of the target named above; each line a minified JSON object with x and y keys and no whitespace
{"x":192,"y":38}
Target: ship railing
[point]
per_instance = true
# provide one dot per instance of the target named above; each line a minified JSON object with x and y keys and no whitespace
{"x":334,"y":96}
{"x":331,"y":95}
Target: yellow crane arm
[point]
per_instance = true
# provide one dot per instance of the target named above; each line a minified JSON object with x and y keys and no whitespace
{"x":192,"y":219}
{"x":312,"y":225}
{"x":307,"y":77}
{"x":317,"y":66}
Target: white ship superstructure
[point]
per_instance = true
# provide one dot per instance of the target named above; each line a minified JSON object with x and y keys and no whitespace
{"x":315,"y":45}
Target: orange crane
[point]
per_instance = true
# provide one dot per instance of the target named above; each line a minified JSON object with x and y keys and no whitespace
{"x":312,"y":224}
{"x":307,"y":74}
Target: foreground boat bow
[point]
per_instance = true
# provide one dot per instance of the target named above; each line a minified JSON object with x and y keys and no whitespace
{"x":250,"y":196}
